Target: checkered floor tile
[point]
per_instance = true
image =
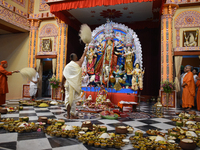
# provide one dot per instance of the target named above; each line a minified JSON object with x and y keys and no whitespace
{"x":42,"y":141}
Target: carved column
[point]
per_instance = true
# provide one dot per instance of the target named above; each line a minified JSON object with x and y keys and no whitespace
{"x":33,"y":38}
{"x":62,"y":48}
{"x":166,"y":42}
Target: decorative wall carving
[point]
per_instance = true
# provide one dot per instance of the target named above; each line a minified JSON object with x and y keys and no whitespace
{"x":30,"y":6}
{"x":43,"y":5}
{"x":186,"y":19}
{"x":13,"y":18}
{"x":20,"y":2}
{"x":48,"y":30}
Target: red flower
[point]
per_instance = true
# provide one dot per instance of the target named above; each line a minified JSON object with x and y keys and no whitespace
{"x":111,"y":13}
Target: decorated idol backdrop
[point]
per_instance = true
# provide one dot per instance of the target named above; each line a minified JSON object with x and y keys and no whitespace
{"x":114,"y":58}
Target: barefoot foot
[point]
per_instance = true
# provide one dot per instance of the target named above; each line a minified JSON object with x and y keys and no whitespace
{"x":74,"y":117}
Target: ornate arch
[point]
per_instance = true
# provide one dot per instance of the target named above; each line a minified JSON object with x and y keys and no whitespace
{"x":185,"y":19}
{"x":49,"y":30}
{"x":190,"y":18}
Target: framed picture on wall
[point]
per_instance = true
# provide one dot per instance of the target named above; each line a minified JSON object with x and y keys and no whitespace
{"x":46,"y":45}
{"x":190,"y":38}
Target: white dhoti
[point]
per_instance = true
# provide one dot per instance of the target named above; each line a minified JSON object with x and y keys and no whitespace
{"x":72,"y":72}
{"x":33,"y":90}
{"x":76,"y":98}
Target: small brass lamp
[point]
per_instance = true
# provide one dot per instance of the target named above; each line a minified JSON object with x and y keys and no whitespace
{"x":158,"y":109}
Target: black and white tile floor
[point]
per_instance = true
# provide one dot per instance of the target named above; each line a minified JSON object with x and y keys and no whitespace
{"x":42,"y":141}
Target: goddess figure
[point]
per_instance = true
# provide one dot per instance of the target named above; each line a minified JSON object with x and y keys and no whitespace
{"x":118,"y":53}
{"x":129,"y":59}
{"x":105,"y":63}
{"x":118,"y":74}
{"x":85,"y":77}
{"x":91,"y":60}
{"x":101,"y":96}
{"x":190,"y":40}
{"x":137,"y":79}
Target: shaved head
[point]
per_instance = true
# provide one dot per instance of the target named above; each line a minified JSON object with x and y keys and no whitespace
{"x":188,"y":68}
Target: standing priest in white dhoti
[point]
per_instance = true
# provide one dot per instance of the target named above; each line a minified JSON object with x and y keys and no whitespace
{"x":71,"y":83}
{"x":33,"y":86}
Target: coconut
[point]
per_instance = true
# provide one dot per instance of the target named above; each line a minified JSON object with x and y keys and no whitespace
{"x":26,"y":119}
{"x":174,"y":134}
{"x":61,"y":121}
{"x":179,"y":123}
{"x":103,"y":128}
{"x":137,"y":132}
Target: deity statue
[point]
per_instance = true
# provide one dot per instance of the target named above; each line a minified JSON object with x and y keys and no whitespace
{"x":129,"y":58}
{"x":190,"y":40}
{"x":46,"y":45}
{"x":97,"y":79}
{"x":85,"y":77}
{"x":101,"y":96}
{"x":118,"y":76}
{"x":137,"y":78}
{"x":118,"y":53}
{"x":105,"y":62}
{"x":91,"y":60}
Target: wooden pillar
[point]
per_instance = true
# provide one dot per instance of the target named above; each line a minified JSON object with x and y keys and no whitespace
{"x":167,"y":42}
{"x":62,"y":48}
{"x":33,"y":42}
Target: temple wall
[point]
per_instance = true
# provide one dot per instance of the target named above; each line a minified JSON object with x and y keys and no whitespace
{"x":14,"y":49}
{"x":40,"y":8}
{"x":23,"y":5}
{"x":177,"y":13}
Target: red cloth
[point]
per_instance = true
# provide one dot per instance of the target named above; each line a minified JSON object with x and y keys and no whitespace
{"x":3,"y":80}
{"x":2,"y":99}
{"x":188,"y":91}
{"x":4,"y":62}
{"x":198,"y":93}
{"x":55,"y":7}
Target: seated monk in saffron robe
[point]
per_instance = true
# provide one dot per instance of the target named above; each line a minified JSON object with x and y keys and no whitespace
{"x":188,"y":89}
{"x":198,"y":92}
{"x":3,"y":81}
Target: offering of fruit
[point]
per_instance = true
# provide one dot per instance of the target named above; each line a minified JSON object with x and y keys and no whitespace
{"x":26,"y":119}
{"x":179,"y":123}
{"x":61,"y":121}
{"x":103,"y":128}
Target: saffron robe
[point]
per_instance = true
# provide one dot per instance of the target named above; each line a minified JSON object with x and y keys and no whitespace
{"x":198,"y":93}
{"x":188,"y":91}
{"x":3,"y":84}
